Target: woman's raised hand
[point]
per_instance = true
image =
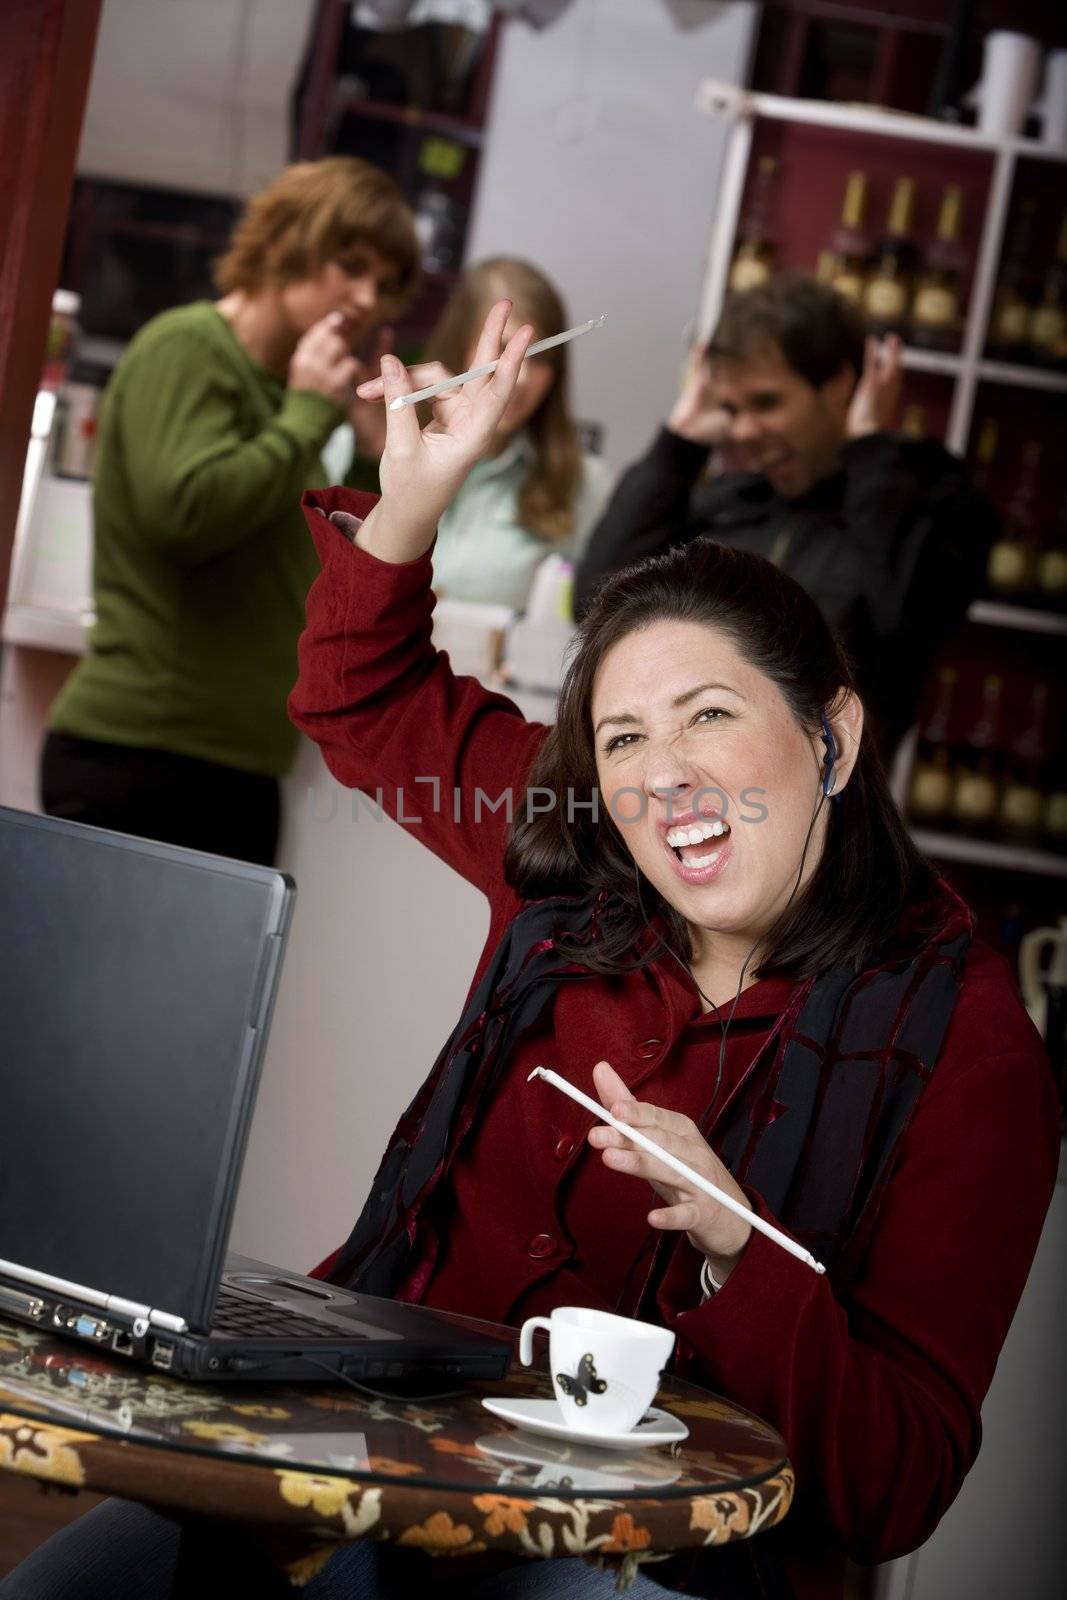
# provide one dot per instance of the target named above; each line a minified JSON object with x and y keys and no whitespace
{"x":717,"y":1233}
{"x":422,"y":469}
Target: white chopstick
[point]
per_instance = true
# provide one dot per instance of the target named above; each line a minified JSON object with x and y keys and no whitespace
{"x":491,"y":366}
{"x":639,"y":1138}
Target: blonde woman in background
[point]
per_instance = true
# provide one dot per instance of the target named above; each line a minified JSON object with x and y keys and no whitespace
{"x":537,"y":492}
{"x":174,"y":726}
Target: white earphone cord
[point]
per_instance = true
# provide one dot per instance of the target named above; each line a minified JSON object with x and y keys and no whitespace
{"x":725,"y":1026}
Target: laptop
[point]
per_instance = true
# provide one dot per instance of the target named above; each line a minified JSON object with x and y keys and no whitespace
{"x":137,"y":982}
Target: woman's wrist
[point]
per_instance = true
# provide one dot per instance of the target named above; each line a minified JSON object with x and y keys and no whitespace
{"x":716,"y":1269}
{"x":392,"y":537}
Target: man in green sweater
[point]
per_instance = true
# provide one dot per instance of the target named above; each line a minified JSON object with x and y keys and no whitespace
{"x":174,"y":727}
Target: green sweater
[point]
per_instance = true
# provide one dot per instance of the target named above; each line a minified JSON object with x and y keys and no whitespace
{"x":202,"y":559}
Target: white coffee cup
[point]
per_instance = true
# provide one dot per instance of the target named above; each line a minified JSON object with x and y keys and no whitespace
{"x":605,"y":1369}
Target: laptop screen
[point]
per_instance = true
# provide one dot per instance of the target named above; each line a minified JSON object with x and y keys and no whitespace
{"x":136,"y":983}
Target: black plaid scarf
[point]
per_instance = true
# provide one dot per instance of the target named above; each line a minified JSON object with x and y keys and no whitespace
{"x":812,"y":1126}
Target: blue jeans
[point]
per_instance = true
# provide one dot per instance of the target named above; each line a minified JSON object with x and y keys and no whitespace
{"x":124,"y":1551}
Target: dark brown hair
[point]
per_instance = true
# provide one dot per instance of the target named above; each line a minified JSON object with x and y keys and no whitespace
{"x":817,"y":329}
{"x":546,"y":499}
{"x":320,"y":211}
{"x":869,"y":868}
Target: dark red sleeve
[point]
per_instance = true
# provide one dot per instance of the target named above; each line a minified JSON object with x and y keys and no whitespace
{"x":878,"y":1395}
{"x":392,"y":719}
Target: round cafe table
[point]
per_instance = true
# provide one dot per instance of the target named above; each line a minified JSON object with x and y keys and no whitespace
{"x":306,"y":1467}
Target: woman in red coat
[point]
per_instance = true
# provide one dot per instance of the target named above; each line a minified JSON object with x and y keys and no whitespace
{"x":706,"y":911}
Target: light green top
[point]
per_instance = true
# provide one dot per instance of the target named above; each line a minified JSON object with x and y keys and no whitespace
{"x":483,"y":552}
{"x":202,"y":559}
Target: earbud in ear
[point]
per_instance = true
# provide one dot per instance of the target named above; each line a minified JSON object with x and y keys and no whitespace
{"x":829,"y":763}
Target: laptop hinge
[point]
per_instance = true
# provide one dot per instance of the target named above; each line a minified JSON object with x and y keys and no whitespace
{"x":95,"y":1297}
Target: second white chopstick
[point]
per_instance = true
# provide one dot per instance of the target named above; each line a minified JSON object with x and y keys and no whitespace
{"x":709,"y":1188}
{"x":434,"y":389}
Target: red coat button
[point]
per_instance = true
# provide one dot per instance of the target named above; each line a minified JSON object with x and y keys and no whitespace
{"x":564,"y":1148}
{"x":650,"y":1048}
{"x":542,"y":1244}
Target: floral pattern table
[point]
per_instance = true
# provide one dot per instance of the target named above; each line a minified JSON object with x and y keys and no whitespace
{"x":309,"y":1467}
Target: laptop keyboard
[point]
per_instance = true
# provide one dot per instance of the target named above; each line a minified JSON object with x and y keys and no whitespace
{"x":255,"y":1319}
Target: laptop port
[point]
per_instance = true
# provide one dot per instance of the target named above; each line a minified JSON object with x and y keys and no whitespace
{"x":90,"y":1327}
{"x":80,"y":1322}
{"x":27,"y":1304}
{"x":122,"y":1342}
{"x":162,"y":1354}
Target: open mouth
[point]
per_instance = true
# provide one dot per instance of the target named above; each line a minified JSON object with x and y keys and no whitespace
{"x":697,"y":845}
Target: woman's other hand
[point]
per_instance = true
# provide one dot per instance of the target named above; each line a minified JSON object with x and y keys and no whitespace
{"x":713,"y":1230}
{"x":323,"y":362}
{"x":422,"y":469}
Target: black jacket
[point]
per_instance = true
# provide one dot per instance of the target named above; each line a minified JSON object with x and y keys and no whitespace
{"x":893,"y":548}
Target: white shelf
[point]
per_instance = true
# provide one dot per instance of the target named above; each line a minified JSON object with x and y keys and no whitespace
{"x":1009,"y":858}
{"x":1027,"y":149}
{"x":741,"y":108}
{"x":996,"y":614}
{"x":727,"y":100}
{"x":41,"y":629}
{"x":916,"y":360}
{"x":1023,"y":377}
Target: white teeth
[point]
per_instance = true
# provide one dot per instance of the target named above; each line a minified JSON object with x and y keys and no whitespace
{"x":695,"y":833}
{"x":702,"y":861}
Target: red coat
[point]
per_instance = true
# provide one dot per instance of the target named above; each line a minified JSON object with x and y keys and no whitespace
{"x":876,"y":1395}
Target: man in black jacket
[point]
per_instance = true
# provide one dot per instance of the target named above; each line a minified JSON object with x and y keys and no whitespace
{"x":781,"y":442}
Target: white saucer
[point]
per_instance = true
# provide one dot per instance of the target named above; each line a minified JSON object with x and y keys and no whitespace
{"x":545,"y":1417}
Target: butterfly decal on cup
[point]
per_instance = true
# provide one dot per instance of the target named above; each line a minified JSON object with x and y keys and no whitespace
{"x":597,"y":1352}
{"x":584,"y":1383}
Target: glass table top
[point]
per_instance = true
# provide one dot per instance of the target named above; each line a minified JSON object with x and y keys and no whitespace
{"x":449,"y":1442}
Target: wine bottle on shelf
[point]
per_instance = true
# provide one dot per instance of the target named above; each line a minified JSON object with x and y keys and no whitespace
{"x":1048,"y":322}
{"x":984,"y":454}
{"x":1054,"y":821}
{"x":1052,"y":564}
{"x":1009,"y":323}
{"x":888,"y":288}
{"x":1022,"y":801}
{"x":1013,"y":558}
{"x":850,"y":249}
{"x":913,"y":423}
{"x":977,"y":786}
{"x":754,"y":256}
{"x":931,"y":788}
{"x":826,"y":266}
{"x":936,"y":310}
